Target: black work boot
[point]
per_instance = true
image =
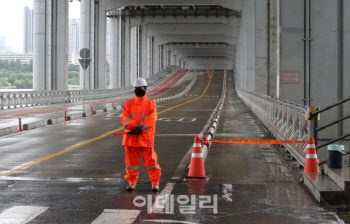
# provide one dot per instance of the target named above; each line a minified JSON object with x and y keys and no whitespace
{"x":131,"y":187}
{"x":155,"y":188}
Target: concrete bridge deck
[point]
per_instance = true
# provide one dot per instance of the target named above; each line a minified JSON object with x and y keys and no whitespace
{"x":73,"y":172}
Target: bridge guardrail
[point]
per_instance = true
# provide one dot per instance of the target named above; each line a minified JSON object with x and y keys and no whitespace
{"x":31,"y":98}
{"x":284,"y":120}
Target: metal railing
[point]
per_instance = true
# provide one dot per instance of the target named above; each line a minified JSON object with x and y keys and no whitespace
{"x":284,"y":120}
{"x":316,"y":129}
{"x":31,"y":98}
{"x":287,"y":121}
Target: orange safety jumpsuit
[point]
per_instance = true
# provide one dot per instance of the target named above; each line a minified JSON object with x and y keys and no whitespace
{"x":140,"y":111}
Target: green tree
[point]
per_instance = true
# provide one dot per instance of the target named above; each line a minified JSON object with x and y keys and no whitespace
{"x":11,"y":80}
{"x":73,"y":68}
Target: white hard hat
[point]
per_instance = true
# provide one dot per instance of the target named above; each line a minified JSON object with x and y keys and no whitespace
{"x":140,"y":82}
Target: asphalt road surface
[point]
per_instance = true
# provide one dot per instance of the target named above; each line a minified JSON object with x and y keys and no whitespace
{"x":74,"y":172}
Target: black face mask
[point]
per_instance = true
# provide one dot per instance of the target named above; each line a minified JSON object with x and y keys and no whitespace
{"x":139,"y":92}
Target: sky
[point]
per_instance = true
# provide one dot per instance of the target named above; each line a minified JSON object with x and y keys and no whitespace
{"x":11,"y":20}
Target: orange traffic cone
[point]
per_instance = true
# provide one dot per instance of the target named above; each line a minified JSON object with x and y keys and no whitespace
{"x":197,"y":170}
{"x":311,"y":163}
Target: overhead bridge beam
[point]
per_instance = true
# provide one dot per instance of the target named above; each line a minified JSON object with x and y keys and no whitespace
{"x":175,"y":13}
{"x":235,"y":5}
{"x":195,"y":38}
{"x":159,"y":29}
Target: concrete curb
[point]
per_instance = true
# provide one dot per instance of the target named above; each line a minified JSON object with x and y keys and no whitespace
{"x":88,"y":114}
{"x":33,"y":125}
{"x":100,"y":111}
{"x":8,"y":130}
{"x":56,"y":121}
{"x":74,"y":117}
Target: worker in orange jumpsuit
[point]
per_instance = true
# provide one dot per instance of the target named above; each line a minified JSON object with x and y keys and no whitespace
{"x":139,"y":118}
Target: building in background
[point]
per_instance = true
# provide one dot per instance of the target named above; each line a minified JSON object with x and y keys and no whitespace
{"x":28,"y":31}
{"x":73,"y":36}
{"x":108,"y":32}
{"x":73,"y":58}
{"x":2,"y":45}
{"x":23,"y":58}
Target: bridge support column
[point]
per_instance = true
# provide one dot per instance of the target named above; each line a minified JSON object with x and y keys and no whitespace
{"x":125,"y":51}
{"x":250,"y":44}
{"x":133,"y":53}
{"x":261,"y":62}
{"x":164,"y":53}
{"x":114,"y":75}
{"x":143,"y":54}
{"x":93,"y":36}
{"x":155,"y":58}
{"x":149,"y":56}
{"x":85,"y":41}
{"x":50,"y":45}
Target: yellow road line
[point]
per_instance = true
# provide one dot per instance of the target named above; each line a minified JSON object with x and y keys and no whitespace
{"x":92,"y":140}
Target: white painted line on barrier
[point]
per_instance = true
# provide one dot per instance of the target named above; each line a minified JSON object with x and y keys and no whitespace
{"x":21,"y":214}
{"x":162,"y":198}
{"x":123,"y":216}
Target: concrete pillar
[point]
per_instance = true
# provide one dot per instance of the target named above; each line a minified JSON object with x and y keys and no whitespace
{"x":100,"y":45}
{"x":243,"y":35}
{"x":261,"y":47}
{"x":164,"y":53}
{"x":144,"y":55}
{"x":120,"y":52}
{"x":155,"y":58}
{"x":126,"y":48}
{"x":237,"y":71}
{"x":273,"y":48}
{"x":346,"y":66}
{"x":114,"y":45}
{"x":50,"y":45}
{"x":39,"y":56}
{"x":85,"y":40}
{"x":133,"y":53}
{"x":250,"y":44}
{"x":150,"y":56}
{"x":172,"y":58}
{"x":292,"y":49}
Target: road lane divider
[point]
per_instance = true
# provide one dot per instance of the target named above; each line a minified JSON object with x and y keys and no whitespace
{"x":184,"y":164}
{"x":94,"y":139}
{"x":33,"y":125}
{"x":8,"y":130}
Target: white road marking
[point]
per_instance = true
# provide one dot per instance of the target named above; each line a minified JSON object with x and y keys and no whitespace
{"x":162,"y":199}
{"x":122,"y":216}
{"x":227,"y":192}
{"x":21,"y":214}
{"x":167,"y":221}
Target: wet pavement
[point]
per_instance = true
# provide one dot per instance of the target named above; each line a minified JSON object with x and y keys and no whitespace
{"x":73,"y":172}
